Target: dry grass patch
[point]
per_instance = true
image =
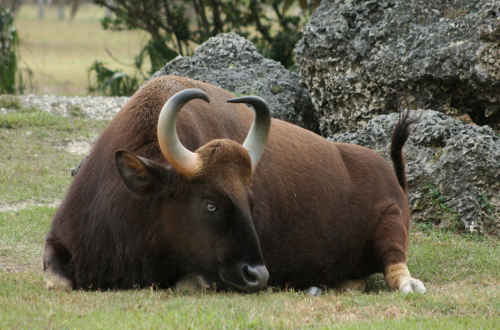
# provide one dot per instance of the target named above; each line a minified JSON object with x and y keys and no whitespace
{"x":61,"y":52}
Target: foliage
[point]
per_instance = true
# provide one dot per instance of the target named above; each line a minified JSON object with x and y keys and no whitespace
{"x":446,"y":217}
{"x":432,"y":199}
{"x":9,"y":49}
{"x":274,"y":26}
{"x":491,"y":211}
{"x":276,"y":89}
{"x":159,"y":54}
{"x":486,"y":206}
{"x":175,"y":27}
{"x":109,"y":82}
{"x":116,"y":83}
{"x":12,"y":79}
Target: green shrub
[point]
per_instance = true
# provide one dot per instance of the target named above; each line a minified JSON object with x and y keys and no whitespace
{"x":9,"y":50}
{"x":110,"y":83}
{"x":13,"y":79}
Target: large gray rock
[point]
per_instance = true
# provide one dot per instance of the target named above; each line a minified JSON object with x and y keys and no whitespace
{"x":233,"y":63}
{"x":358,"y":57}
{"x":453,"y":169}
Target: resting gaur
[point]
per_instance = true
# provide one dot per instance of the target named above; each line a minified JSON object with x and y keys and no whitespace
{"x":184,"y":184}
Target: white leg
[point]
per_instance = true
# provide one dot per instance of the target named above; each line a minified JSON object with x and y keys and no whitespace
{"x":397,"y":277}
{"x":55,"y":281}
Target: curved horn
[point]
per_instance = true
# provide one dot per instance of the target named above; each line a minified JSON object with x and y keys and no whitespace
{"x":183,"y":160}
{"x":259,"y":132}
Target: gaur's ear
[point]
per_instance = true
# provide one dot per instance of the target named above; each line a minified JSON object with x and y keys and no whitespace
{"x":141,"y":175}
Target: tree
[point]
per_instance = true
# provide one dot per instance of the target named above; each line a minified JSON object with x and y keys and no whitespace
{"x":9,"y":45}
{"x":12,"y":5}
{"x":177,"y":26}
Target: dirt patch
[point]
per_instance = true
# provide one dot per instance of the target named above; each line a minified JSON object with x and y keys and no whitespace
{"x":79,"y":147}
{"x":9,"y":266}
{"x":16,"y":206}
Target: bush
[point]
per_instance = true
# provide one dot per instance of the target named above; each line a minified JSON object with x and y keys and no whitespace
{"x":110,"y":83}
{"x":176,"y":27}
{"x":9,"y":50}
{"x":12,"y":78}
{"x":273,"y":26}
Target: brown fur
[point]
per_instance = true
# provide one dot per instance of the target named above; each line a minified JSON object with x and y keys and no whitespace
{"x":323,"y":212}
{"x":398,"y":140}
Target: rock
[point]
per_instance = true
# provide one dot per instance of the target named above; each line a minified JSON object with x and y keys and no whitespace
{"x":74,"y":171}
{"x":233,"y":63}
{"x":453,"y":169}
{"x":359,"y":58}
{"x":313,"y":291}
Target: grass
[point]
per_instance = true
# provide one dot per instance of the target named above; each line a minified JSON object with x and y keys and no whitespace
{"x":462,"y":277}
{"x":34,"y":161}
{"x":22,"y":237}
{"x":60,"y":52}
{"x":461,"y":273}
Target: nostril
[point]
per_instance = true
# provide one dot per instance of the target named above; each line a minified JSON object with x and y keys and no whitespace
{"x":249,"y":274}
{"x":255,"y":277}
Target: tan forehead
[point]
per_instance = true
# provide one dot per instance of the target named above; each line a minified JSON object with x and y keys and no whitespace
{"x":225,"y":160}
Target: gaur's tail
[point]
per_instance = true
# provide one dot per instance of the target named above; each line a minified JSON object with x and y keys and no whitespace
{"x":399,"y":136}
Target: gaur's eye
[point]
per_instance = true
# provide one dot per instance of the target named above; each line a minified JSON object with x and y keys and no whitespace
{"x":211,"y":207}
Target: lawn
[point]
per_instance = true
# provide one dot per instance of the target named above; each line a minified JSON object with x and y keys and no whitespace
{"x":60,"y":52}
{"x":461,"y":273}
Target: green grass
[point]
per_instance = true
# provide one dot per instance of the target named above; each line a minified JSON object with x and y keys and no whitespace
{"x":462,"y":276}
{"x":22,"y":237}
{"x":442,"y":257}
{"x":467,"y":297}
{"x":461,"y":273}
{"x":34,"y":161}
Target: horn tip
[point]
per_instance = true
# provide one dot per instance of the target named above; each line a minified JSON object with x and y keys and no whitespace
{"x":195,"y":93}
{"x":250,"y":99}
{"x":206,"y":98}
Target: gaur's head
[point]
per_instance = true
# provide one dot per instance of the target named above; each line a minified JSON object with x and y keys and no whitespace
{"x":204,"y":198}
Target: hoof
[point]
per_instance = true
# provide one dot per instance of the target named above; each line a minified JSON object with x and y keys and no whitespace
{"x":413,"y":286}
{"x":191,"y":284}
{"x":398,"y":277}
{"x":313,"y":291}
{"x":352,"y":285}
{"x":54,"y":281}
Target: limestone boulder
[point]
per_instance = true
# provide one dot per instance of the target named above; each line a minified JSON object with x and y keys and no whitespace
{"x":359,"y":59}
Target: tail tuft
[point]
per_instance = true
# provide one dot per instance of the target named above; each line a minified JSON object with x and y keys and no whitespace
{"x":399,"y":137}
